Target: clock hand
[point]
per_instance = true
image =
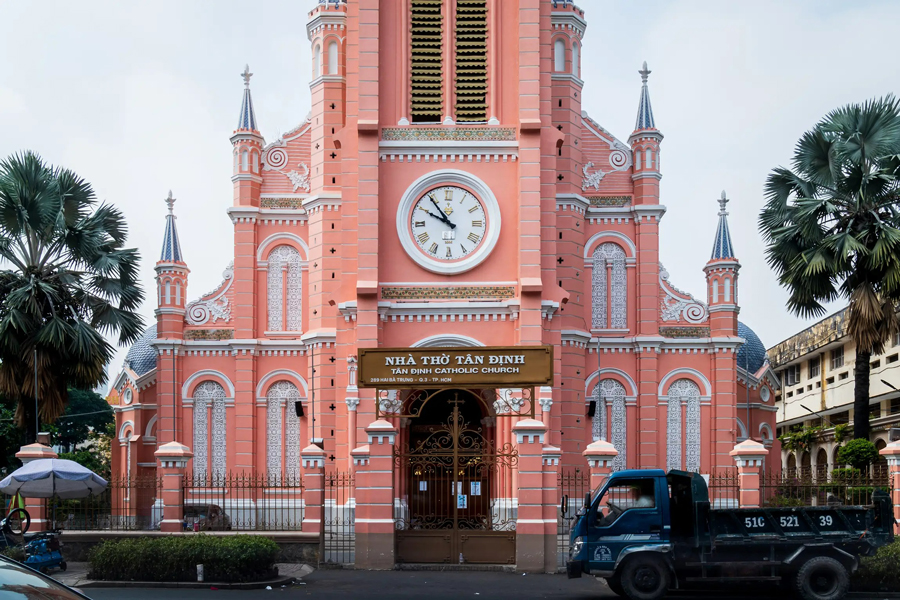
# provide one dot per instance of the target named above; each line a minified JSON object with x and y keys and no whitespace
{"x":443,"y":216}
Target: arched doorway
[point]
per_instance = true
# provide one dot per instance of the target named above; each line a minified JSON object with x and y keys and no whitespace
{"x":822,"y":465}
{"x":453,"y":478}
{"x":806,"y":464}
{"x":880,"y":468}
{"x":791,"y":465}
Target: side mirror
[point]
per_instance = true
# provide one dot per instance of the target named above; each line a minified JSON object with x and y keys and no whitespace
{"x":587,"y":500}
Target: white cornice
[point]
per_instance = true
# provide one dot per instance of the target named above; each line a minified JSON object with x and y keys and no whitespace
{"x":448,"y":151}
{"x":329,"y":21}
{"x":707,"y":345}
{"x":246,"y":177}
{"x":318,"y":337}
{"x":567,"y":77}
{"x":444,"y":312}
{"x":575,"y":202}
{"x":327,"y":79}
{"x":322,"y":201}
{"x":568,"y":20}
{"x":575,"y":337}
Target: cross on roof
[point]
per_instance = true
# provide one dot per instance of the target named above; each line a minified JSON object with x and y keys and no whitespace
{"x":246,"y":75}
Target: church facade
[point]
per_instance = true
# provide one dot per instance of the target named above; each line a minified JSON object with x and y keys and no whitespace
{"x":447,"y":190}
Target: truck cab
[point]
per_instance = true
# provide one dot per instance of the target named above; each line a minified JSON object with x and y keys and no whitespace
{"x":628,"y":513}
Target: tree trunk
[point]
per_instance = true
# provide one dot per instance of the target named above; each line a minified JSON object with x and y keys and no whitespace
{"x":861,"y":396}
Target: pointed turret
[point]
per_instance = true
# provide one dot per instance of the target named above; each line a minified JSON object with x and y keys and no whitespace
{"x":171,"y":250}
{"x":247,"y":119}
{"x":722,"y":247}
{"x":171,"y":280}
{"x":721,"y":278}
{"x":248,"y":146}
{"x":645,"y":142}
{"x":645,"y":111}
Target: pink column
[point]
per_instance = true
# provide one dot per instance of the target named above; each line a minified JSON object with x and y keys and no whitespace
{"x":749,"y":457}
{"x":313,"y":473}
{"x":37,"y":507}
{"x":530,"y":537}
{"x":545,"y":399}
{"x":599,"y":455}
{"x":173,"y":458}
{"x":892,"y":453}
{"x":375,"y":498}
{"x":549,"y":511}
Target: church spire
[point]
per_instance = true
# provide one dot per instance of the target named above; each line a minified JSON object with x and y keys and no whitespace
{"x":722,"y":248}
{"x":645,"y":111}
{"x":171,"y":250}
{"x":247,"y":119}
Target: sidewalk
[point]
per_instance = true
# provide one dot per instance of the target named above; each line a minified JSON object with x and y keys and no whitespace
{"x":77,"y":576}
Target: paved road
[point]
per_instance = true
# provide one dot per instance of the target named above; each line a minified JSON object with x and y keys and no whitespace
{"x":431,"y":585}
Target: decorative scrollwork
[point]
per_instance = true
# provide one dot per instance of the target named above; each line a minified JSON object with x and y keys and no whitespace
{"x":618,"y":159}
{"x":275,"y":159}
{"x":591,"y":180}
{"x":212,"y":305}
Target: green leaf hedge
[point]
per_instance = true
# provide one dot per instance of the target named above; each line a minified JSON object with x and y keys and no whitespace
{"x":226,"y":559}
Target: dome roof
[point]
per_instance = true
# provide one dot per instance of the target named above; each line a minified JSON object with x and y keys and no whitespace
{"x":141,"y":357}
{"x":752,"y":352}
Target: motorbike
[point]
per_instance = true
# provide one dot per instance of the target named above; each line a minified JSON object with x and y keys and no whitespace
{"x":41,"y":550}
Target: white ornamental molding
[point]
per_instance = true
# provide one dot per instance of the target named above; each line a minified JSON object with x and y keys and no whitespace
{"x":591,"y":180}
{"x":213,"y":305}
{"x":677,"y":305}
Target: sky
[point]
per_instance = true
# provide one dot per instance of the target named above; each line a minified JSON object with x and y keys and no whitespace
{"x":141,"y":97}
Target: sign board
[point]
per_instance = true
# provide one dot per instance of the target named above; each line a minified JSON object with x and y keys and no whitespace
{"x":498,"y":366}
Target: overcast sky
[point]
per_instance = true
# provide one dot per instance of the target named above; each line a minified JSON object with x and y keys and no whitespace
{"x":141,"y":97}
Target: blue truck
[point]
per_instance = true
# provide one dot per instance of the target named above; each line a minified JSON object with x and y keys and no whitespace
{"x":647,"y":532}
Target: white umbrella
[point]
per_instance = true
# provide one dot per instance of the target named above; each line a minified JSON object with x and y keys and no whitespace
{"x":48,"y":477}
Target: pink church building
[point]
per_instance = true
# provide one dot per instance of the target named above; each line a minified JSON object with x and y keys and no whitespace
{"x":446,"y":190}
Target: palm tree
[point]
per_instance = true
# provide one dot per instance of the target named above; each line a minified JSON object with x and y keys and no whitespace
{"x":832,"y":228}
{"x":68,"y":283}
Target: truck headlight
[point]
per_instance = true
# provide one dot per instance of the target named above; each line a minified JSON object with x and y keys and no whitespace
{"x":575,"y":550}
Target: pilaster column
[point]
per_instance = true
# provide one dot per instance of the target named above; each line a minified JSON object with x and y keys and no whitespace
{"x":550,"y":460}
{"x":599,"y":456}
{"x":313,"y":472}
{"x":749,"y":456}
{"x":352,"y":404}
{"x":173,"y":458}
{"x":892,"y":453}
{"x":545,"y":399}
{"x":37,"y":507}
{"x":530,"y":537}
{"x":375,"y":498}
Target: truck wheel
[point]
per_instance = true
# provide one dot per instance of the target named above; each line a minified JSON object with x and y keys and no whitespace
{"x":645,"y":578}
{"x":615,"y":585}
{"x":822,"y":578}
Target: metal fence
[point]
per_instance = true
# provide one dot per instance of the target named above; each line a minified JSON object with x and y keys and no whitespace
{"x":242,"y":502}
{"x":573,"y":483}
{"x":841,"y":486}
{"x":339,"y":525}
{"x":724,"y":488}
{"x":128,"y":503}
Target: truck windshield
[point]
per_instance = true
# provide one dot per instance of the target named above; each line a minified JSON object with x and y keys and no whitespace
{"x":596,"y":491}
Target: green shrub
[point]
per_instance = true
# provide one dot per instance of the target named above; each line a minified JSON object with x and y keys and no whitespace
{"x":858,"y":453}
{"x":230,"y":559}
{"x":782,"y":501}
{"x":846,"y":475}
{"x":880,"y":571}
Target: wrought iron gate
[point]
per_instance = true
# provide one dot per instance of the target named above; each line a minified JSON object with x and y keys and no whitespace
{"x":457,"y":496}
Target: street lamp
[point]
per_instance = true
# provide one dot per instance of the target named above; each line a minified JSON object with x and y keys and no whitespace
{"x":815,"y":414}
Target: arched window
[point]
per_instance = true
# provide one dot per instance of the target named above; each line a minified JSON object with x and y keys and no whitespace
{"x":280,"y":401}
{"x":559,"y":56}
{"x":610,"y":393}
{"x":332,"y":58}
{"x":683,"y":392}
{"x":648,"y":158}
{"x":727,"y":283}
{"x":256,"y":162}
{"x":168,"y":291}
{"x":245,"y":160}
{"x":285,"y":286}
{"x":609,"y":288}
{"x":317,"y":62}
{"x":209,"y":394}
{"x":576,"y":67}
{"x":715,"y":291}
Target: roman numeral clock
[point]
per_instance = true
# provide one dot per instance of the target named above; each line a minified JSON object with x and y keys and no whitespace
{"x":448,"y":221}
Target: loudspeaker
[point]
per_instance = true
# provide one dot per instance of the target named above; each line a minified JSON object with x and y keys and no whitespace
{"x":298,"y":408}
{"x":592,"y":408}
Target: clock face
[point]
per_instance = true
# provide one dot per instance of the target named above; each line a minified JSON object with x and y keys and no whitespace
{"x":448,"y":223}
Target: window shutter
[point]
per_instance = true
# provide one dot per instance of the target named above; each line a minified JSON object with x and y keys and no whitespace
{"x":426,"y":81}
{"x":471,"y":61}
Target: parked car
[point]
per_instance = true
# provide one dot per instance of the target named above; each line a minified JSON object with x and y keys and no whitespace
{"x":209,"y":517}
{"x":18,"y":581}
